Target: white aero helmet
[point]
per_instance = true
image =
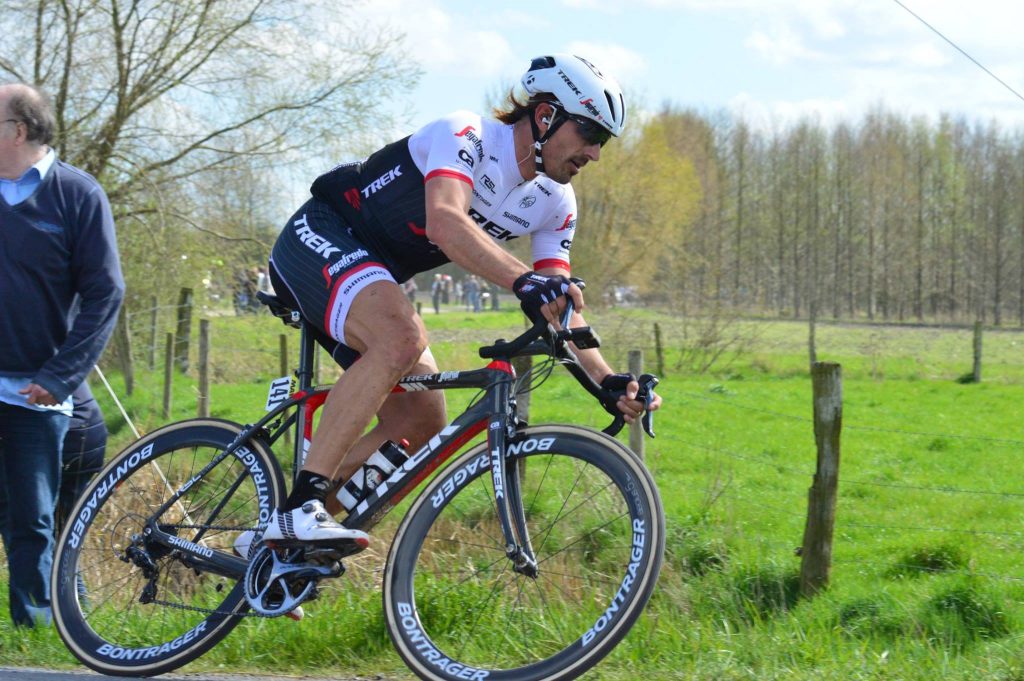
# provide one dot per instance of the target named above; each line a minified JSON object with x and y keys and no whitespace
{"x":579,"y":88}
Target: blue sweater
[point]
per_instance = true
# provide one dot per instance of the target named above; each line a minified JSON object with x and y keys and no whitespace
{"x":55,"y":245}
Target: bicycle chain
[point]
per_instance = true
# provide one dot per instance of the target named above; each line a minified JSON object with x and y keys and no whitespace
{"x":209,"y":611}
{"x":193,"y":608}
{"x":222,"y":528}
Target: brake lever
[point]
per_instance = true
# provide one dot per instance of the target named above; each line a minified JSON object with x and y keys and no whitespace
{"x":615,"y":426}
{"x":646,"y":393}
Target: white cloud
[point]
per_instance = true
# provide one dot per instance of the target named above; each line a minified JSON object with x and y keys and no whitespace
{"x":441,"y":40}
{"x":620,"y":62}
{"x":782,"y":45}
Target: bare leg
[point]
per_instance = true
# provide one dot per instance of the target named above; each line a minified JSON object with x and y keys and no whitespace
{"x":415,"y":417}
{"x":383,"y":327}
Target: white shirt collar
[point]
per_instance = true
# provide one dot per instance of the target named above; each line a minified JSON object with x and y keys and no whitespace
{"x":44,"y":164}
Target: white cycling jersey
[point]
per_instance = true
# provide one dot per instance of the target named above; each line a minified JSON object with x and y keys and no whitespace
{"x":383,"y":198}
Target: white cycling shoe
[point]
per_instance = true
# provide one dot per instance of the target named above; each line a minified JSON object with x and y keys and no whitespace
{"x":309,"y":525}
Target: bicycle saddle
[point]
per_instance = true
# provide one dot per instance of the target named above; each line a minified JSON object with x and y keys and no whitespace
{"x":287,"y":315}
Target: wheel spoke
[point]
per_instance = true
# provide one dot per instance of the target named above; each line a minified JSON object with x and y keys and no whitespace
{"x":476,"y":610}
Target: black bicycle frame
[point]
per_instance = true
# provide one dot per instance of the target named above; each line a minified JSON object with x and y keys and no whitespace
{"x":495,"y":411}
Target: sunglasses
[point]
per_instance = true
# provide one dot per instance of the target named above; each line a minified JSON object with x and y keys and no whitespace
{"x":591,"y":132}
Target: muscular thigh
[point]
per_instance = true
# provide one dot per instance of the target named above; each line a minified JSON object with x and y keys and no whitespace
{"x":319,"y":266}
{"x":421,"y":413}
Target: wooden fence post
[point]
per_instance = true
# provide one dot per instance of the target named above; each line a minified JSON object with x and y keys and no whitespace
{"x":203,"y":403}
{"x":522,"y":365}
{"x":812,"y":323}
{"x":816,"y":563}
{"x":977,"y":351}
{"x":183,"y":332}
{"x":152,"y":333}
{"x":124,"y":351}
{"x":659,"y":351}
{"x":168,"y":374}
{"x":636,"y":431}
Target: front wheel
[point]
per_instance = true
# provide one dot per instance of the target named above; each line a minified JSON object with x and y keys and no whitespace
{"x":128,"y":606}
{"x":455,"y":608}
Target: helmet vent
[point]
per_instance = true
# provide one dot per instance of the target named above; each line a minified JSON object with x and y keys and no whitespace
{"x":542,"y":63}
{"x":612,"y":106}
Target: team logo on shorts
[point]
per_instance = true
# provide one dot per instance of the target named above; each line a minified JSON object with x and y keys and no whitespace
{"x":341,"y":263}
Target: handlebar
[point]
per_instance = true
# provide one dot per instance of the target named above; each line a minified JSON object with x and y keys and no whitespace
{"x":543,"y":339}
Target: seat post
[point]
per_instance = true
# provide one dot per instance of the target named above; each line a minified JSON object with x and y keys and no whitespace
{"x":307,"y":346}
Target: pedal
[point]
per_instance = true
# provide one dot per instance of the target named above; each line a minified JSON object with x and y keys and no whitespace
{"x":323,"y":551}
{"x":326,"y":555}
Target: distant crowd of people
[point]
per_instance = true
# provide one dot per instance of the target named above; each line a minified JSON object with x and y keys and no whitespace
{"x":249,"y":281}
{"x":471,"y":292}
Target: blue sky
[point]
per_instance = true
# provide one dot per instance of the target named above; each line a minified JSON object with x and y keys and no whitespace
{"x":770,"y":60}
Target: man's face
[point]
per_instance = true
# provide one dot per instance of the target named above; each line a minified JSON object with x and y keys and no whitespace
{"x":10,"y":129}
{"x":567,"y":152}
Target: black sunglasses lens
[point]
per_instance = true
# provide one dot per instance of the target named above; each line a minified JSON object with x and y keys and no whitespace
{"x":592,"y":133}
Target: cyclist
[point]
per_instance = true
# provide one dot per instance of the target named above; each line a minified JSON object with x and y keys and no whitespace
{"x":452,"y":191}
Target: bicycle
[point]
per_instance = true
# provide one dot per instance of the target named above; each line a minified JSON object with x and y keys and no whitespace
{"x":530,"y":556}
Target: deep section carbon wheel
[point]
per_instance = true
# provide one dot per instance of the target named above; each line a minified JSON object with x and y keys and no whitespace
{"x":456,"y":609}
{"x":126,"y":604}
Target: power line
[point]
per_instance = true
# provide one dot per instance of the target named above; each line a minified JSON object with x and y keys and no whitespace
{"x":957,"y":47}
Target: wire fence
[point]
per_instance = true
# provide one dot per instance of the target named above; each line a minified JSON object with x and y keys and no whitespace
{"x":923,"y":472}
{"x":971,"y":527}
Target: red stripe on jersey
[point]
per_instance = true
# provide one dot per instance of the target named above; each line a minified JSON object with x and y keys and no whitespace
{"x":552,"y":262}
{"x":444,"y":172}
{"x":337,"y":288}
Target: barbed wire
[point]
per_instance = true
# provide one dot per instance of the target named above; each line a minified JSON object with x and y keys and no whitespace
{"x":847,"y":425}
{"x":944,"y":530}
{"x":931,"y":570}
{"x":781,"y":468}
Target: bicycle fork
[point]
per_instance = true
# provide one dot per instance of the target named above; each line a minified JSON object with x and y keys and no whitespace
{"x":507,"y":485}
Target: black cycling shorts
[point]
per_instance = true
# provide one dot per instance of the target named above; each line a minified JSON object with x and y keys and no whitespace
{"x":318,"y":266}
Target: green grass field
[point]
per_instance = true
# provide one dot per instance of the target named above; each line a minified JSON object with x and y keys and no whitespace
{"x":927,"y":578}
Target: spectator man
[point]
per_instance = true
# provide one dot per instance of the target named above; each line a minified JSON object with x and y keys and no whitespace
{"x":436,"y":290}
{"x":57,"y":245}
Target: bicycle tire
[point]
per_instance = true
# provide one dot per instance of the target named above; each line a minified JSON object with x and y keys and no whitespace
{"x":96,"y":592}
{"x":454,"y":608}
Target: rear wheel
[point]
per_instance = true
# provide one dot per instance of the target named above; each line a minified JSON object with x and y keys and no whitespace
{"x":128,"y":606}
{"x":455,"y":608}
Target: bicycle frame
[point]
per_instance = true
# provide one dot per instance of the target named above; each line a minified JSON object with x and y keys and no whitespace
{"x":495,"y":411}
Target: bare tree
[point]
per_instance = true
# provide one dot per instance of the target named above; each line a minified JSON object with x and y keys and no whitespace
{"x":161,"y":99}
{"x":151,"y":93}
